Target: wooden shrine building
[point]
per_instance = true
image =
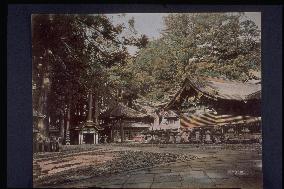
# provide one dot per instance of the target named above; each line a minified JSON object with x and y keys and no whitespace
{"x":122,"y":123}
{"x":219,"y":110}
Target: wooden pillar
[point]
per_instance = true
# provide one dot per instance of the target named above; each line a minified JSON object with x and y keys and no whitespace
{"x":80,"y":138}
{"x":197,"y":135}
{"x":97,"y":138}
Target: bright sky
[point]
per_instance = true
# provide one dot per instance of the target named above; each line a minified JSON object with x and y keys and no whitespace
{"x":151,"y":24}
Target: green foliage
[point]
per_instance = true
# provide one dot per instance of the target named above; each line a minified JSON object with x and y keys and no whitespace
{"x":76,"y":53}
{"x":207,"y":44}
{"x":82,"y":52}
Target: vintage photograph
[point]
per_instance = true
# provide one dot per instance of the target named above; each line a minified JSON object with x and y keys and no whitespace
{"x":147,"y":100}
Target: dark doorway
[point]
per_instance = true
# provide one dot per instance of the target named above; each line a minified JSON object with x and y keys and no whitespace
{"x":74,"y":136}
{"x":89,"y":138}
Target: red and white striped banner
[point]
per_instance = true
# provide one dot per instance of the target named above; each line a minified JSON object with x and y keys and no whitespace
{"x":211,"y":119}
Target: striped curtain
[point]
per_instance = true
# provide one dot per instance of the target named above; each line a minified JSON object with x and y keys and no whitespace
{"x":211,"y":119}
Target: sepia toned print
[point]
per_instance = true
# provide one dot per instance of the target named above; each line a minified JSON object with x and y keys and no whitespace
{"x":147,"y":100}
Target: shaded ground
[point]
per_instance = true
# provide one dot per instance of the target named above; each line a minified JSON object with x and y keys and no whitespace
{"x":146,"y":166}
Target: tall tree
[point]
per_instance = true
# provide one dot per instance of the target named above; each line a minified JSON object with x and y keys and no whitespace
{"x":209,"y":44}
{"x":74,"y":53}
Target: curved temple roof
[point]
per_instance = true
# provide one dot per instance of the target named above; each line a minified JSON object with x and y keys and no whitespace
{"x":226,"y":89}
{"x":122,"y":111}
{"x":216,"y":88}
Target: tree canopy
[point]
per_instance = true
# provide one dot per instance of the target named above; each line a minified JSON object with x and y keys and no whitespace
{"x":208,"y":44}
{"x":77,"y":54}
{"x":72,"y":55}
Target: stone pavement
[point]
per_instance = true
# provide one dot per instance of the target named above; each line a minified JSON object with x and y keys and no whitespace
{"x":232,"y":169}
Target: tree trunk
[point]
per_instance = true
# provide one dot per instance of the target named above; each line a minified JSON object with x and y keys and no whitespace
{"x":42,"y":123}
{"x":77,"y":121}
{"x":97,"y":111}
{"x":62,"y":129}
{"x":67,"y":139}
{"x":111,"y":134}
{"x":89,"y":118}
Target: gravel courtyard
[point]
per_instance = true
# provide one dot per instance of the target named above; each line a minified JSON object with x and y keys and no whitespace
{"x":150,"y":166}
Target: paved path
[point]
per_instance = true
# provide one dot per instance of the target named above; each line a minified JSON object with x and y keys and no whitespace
{"x":216,"y":169}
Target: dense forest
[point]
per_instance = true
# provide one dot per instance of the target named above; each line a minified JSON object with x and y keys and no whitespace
{"x":75,"y":55}
{"x":216,"y":45}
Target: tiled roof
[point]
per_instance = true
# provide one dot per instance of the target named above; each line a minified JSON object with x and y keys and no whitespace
{"x":120,"y":110}
{"x":225,"y":89}
{"x":216,"y":88}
